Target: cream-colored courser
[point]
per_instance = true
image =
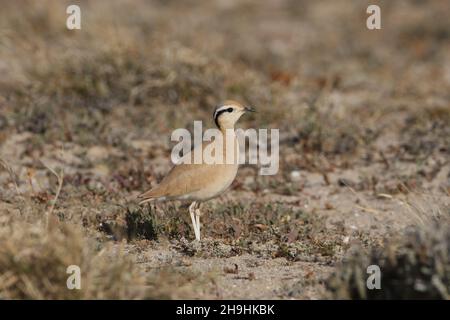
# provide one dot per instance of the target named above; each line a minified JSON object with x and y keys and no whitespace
{"x":203,"y":181}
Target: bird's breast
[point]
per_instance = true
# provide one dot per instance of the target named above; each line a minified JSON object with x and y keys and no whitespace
{"x":218,"y":182}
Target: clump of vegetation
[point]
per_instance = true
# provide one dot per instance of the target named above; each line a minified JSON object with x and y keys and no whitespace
{"x":148,"y":222}
{"x":414,"y":267}
{"x":320,"y":132}
{"x":140,"y":224}
{"x":426,"y":131}
{"x":34,"y":262}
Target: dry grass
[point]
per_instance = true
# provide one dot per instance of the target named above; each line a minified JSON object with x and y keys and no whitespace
{"x":415,"y":266}
{"x":33,"y":265}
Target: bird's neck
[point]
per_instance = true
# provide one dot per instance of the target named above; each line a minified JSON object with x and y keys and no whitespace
{"x":224,"y":129}
{"x":225,"y":123}
{"x":230,"y":144}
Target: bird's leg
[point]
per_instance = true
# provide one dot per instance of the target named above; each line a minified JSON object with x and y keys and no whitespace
{"x":194,"y":225}
{"x":197,"y":219}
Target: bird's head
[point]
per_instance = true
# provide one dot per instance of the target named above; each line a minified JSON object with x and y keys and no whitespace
{"x":228,"y":113}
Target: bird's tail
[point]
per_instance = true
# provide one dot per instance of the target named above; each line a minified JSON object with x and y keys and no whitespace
{"x":146,"y":200}
{"x":149,"y":196}
{"x":146,"y":197}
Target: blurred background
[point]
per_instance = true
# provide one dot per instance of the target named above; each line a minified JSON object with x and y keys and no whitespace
{"x":85,"y":123}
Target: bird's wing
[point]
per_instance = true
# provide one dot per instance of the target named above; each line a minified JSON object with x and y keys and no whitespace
{"x":183,"y":179}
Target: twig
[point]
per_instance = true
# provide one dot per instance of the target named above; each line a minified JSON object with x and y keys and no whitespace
{"x":11,"y":173}
{"x":60,"y":178}
{"x":370,"y":210}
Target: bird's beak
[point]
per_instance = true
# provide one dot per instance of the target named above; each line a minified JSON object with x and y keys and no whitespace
{"x":249,"y":109}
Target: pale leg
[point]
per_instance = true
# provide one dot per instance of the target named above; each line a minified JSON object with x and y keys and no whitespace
{"x":197,"y":222}
{"x":194,"y":225}
{"x":197,"y":219}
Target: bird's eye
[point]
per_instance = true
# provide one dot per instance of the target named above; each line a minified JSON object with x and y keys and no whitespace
{"x":230,"y":110}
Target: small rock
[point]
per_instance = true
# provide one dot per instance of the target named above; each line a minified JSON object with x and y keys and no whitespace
{"x":96,"y":154}
{"x":101,"y":170}
{"x":295,"y":176}
{"x":141,"y":144}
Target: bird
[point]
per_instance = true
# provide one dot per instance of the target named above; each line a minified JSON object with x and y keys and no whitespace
{"x":199,"y":182}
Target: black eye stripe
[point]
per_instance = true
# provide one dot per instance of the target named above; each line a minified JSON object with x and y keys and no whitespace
{"x":218,"y":113}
